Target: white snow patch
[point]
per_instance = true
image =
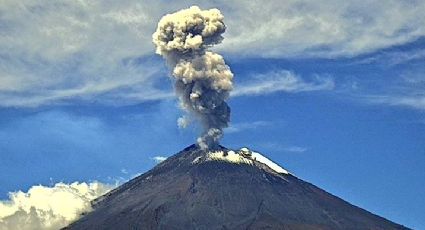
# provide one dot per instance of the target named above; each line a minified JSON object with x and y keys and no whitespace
{"x":260,"y":158}
{"x":244,"y":156}
{"x":196,"y":160}
{"x":231,"y":157}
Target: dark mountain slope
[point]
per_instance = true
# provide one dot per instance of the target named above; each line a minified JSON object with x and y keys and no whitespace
{"x":191,"y":191}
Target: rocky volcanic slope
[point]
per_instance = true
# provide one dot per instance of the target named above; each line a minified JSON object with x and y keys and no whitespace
{"x":195,"y":189}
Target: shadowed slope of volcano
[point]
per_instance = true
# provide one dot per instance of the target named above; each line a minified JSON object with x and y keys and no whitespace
{"x":192,"y":190}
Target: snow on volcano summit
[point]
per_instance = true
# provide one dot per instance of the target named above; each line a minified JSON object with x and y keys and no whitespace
{"x":244,"y":156}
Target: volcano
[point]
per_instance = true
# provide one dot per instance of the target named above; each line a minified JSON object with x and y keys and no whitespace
{"x":224,"y":189}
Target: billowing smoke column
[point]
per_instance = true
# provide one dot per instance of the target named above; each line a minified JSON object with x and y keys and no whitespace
{"x":203,"y":80}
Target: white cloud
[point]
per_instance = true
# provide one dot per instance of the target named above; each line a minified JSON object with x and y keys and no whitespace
{"x":239,"y":127}
{"x":394,"y":57}
{"x":295,"y":149}
{"x":277,"y":146}
{"x":320,"y":28}
{"x":44,"y":208}
{"x":405,"y":89}
{"x":282,"y":80}
{"x":92,"y":50}
{"x":159,"y":159}
{"x":413,"y":101}
{"x":51,"y":52}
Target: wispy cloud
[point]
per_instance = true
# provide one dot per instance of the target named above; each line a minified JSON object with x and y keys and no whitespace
{"x":159,"y":159}
{"x":101,"y":51}
{"x":403,"y":89}
{"x":239,"y":127}
{"x":95,"y":51}
{"x":275,"y":146}
{"x":415,"y":102}
{"x":295,"y":149}
{"x":282,"y":80}
{"x":320,"y":28}
{"x":392,"y":58}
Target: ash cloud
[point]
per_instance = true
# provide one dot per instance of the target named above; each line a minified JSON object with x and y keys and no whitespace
{"x":203,"y":81}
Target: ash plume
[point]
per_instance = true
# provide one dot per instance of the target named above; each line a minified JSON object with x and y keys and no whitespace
{"x":202,"y":78}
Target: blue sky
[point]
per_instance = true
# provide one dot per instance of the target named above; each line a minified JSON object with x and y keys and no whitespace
{"x":333,"y":92}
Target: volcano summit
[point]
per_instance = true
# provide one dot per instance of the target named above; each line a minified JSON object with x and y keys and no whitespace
{"x":224,"y":189}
